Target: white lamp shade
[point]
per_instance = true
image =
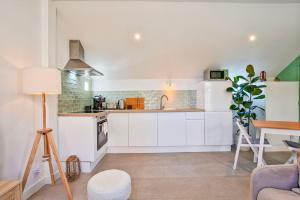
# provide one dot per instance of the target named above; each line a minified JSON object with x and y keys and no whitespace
{"x":40,"y":80}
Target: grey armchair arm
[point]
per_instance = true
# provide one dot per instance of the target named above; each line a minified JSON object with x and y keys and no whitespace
{"x":283,"y":177}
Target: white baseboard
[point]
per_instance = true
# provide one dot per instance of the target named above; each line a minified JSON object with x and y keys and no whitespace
{"x":88,"y":166}
{"x":168,"y":149}
{"x":276,"y":148}
{"x":29,"y":191}
{"x":48,"y":178}
{"x":94,"y":164}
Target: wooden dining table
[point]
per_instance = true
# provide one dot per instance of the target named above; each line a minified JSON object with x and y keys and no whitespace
{"x":275,"y":128}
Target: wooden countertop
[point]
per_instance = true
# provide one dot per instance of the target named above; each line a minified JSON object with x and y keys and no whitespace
{"x":81,"y":114}
{"x":276,"y":124}
{"x":129,"y":111}
{"x":156,"y":110}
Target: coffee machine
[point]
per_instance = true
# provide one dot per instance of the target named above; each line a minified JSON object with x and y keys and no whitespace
{"x":98,"y":102}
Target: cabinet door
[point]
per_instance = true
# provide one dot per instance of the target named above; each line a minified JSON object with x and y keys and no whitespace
{"x":77,"y":136}
{"x":216,"y":98}
{"x":142,"y":129}
{"x":118,"y":129}
{"x":194,"y":115}
{"x":218,"y":128}
{"x":171,"y":129}
{"x":195,"y":132}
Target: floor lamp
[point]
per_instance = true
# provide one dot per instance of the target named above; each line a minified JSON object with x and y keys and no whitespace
{"x":44,"y":81}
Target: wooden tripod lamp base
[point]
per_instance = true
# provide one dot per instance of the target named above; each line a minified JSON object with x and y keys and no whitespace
{"x":42,"y":81}
{"x":47,"y":134}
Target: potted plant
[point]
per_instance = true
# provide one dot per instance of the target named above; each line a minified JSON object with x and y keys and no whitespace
{"x":245,"y":90}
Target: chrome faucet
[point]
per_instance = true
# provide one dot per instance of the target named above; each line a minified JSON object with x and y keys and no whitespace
{"x":161,"y":101}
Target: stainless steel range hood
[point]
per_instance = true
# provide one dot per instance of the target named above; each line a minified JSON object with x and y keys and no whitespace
{"x":76,"y":63}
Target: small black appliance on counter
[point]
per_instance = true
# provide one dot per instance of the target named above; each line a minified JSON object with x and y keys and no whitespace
{"x":98,"y":102}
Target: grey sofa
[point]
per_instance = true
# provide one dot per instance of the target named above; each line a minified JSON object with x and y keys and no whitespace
{"x":274,"y":182}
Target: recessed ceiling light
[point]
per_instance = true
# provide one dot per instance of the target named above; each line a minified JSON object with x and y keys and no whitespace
{"x":137,"y":36}
{"x":252,"y":38}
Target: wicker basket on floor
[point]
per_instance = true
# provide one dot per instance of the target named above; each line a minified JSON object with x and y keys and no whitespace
{"x":73,"y":168}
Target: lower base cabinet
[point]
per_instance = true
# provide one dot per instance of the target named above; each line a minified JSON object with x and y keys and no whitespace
{"x":142,"y":129}
{"x":171,"y":129}
{"x":195,"y":132}
{"x":218,"y":128}
{"x":118,"y":129}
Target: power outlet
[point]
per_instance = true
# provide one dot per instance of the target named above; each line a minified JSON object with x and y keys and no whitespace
{"x":36,"y":172}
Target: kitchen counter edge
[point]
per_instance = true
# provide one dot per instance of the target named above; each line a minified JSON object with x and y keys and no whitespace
{"x":128,"y":111}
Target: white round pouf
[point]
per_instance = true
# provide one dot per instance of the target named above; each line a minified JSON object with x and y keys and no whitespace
{"x":109,"y":185}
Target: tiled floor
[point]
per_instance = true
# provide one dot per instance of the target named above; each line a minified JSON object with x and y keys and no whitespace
{"x":174,"y":176}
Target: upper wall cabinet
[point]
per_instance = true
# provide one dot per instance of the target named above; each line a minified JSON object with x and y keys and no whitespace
{"x":118,"y":129}
{"x":216,"y":99}
{"x":171,"y":129}
{"x":142,"y":129}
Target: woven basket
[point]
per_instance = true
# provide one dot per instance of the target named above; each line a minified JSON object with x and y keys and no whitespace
{"x":73,"y":168}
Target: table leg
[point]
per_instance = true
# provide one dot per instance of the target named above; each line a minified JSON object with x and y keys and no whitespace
{"x":257,"y":132}
{"x":261,"y":148}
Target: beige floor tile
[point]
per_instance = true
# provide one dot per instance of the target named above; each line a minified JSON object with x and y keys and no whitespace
{"x":174,"y":176}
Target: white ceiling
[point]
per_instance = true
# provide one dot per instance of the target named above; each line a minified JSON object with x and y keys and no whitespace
{"x":208,"y":1}
{"x":181,"y":39}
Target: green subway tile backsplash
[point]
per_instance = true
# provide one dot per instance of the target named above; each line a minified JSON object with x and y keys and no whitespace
{"x":75,"y":96}
{"x":177,"y":98}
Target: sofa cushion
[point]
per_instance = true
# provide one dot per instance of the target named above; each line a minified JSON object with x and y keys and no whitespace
{"x":298,"y":162}
{"x":276,"y":194}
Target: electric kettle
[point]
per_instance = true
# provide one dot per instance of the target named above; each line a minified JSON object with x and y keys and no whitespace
{"x":121,"y":104}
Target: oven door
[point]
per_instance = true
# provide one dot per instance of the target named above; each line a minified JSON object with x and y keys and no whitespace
{"x":102,"y":131}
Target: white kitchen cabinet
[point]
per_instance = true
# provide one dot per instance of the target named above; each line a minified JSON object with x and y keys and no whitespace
{"x":216,"y":99}
{"x":118,"y":129}
{"x":194,"y":115}
{"x":218,"y":128}
{"x":171,"y":129}
{"x":77,"y":136}
{"x":195,"y":132}
{"x":142,"y":129}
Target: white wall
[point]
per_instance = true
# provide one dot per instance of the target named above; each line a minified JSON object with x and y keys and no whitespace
{"x":281,"y":105}
{"x":23,"y":29}
{"x":62,"y":42}
{"x":20,"y":47}
{"x":49,"y":59}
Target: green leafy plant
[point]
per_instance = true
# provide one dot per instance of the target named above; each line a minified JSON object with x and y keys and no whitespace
{"x":245,"y":90}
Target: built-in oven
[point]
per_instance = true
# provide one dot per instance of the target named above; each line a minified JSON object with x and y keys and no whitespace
{"x":102,"y":131}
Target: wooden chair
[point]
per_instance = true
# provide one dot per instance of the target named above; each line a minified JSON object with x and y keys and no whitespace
{"x":245,"y":140}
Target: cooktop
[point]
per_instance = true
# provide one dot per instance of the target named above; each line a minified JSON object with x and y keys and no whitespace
{"x":89,"y":111}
